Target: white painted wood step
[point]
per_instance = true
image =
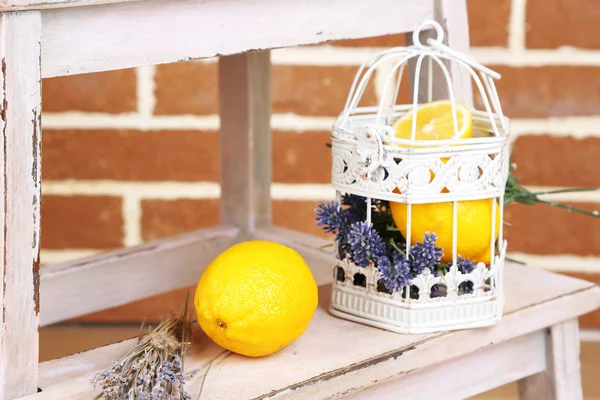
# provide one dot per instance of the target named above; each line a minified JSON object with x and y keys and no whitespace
{"x":336,"y":357}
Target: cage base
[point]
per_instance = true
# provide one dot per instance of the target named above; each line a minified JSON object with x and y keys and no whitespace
{"x":447,"y":315}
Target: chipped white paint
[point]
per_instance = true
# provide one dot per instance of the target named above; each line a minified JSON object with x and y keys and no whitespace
{"x":119,"y":277}
{"x":66,"y":369}
{"x":376,"y":356}
{"x":561,"y":380}
{"x":162,"y":31}
{"x":20,"y":187}
{"x":13,"y":5}
{"x":490,"y":367}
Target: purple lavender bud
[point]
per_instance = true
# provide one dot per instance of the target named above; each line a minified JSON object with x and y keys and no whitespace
{"x":425,"y":254}
{"x":465,"y":266}
{"x":365,"y":244}
{"x":330,"y":216}
{"x":397,"y":275}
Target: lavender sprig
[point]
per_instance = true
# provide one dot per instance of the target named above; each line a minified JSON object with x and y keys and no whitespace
{"x":395,"y":274}
{"x":364,"y":244}
{"x":465,"y":266}
{"x":331,"y":217}
{"x":425,"y":254}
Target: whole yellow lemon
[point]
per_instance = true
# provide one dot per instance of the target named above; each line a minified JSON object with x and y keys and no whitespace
{"x":255,"y":298}
{"x":474,"y":226}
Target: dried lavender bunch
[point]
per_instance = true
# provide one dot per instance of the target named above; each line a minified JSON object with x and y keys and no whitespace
{"x":153,"y":368}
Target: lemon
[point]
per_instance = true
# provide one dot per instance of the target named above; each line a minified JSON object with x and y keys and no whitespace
{"x":474,"y":226}
{"x":434,"y":122}
{"x":255,"y":298}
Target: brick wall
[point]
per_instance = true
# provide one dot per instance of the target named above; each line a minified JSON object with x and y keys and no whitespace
{"x":131,"y":155}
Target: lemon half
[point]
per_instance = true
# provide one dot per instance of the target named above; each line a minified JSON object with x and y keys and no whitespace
{"x":435,"y":122}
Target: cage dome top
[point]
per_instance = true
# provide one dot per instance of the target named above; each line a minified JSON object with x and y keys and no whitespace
{"x":426,"y":58}
{"x":379,"y":150}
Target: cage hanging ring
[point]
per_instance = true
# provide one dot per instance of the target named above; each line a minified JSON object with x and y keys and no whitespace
{"x":430,"y":23}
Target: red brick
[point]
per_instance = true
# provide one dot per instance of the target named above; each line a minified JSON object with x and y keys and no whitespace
{"x":106,"y":92}
{"x":319,"y":91}
{"x":164,"y":218}
{"x":557,"y":23}
{"x":557,"y":161}
{"x":488,"y":26}
{"x":81,"y":222}
{"x":375,"y":41}
{"x":299,"y":216}
{"x":130,"y":155}
{"x":187,"y":88}
{"x":554,"y":91}
{"x":302,"y":90}
{"x":488,"y":22}
{"x":301,"y":157}
{"x":545,"y":230}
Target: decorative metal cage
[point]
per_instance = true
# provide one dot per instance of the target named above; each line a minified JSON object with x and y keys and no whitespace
{"x":371,"y":162}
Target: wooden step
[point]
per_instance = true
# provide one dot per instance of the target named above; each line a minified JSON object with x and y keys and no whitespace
{"x":336,"y":358}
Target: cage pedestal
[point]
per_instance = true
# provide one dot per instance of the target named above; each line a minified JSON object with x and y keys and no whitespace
{"x":353,"y":305}
{"x":368,"y":306}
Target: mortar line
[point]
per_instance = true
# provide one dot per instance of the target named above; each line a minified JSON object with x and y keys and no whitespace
{"x":146,"y":100}
{"x":517,"y":26}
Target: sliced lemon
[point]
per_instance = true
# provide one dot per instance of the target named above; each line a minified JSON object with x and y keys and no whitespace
{"x":434,"y":122}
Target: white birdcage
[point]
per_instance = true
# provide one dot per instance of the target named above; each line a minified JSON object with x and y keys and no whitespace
{"x":371,"y":162}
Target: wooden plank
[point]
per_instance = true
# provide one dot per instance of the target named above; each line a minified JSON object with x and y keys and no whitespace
{"x":245,"y":139}
{"x":16,"y":5}
{"x":561,"y":379}
{"x":351,"y":356}
{"x":20,"y":91}
{"x":106,"y":37}
{"x":317,"y":252}
{"x":108,"y":280}
{"x":469,"y":375}
{"x":564,"y":363}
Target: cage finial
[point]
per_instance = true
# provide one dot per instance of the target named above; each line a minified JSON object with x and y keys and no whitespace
{"x":430,"y":23}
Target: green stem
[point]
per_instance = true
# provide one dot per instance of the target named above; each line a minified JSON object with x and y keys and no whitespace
{"x":396,"y":247}
{"x":515,"y":261}
{"x":571,"y":208}
{"x":392,"y":228}
{"x":572,"y":190}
